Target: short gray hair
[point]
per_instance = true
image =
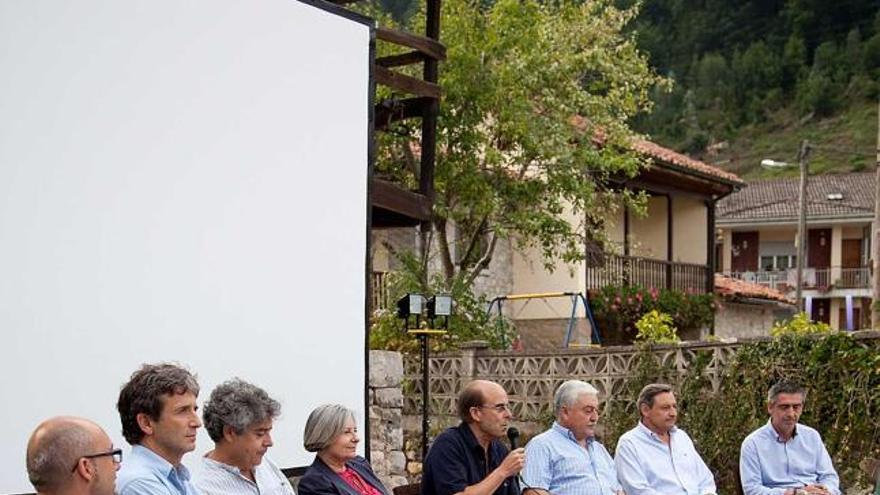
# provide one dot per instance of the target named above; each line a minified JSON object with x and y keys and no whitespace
{"x":569,"y":392}
{"x":649,"y":392}
{"x":325,"y":423}
{"x":54,"y":451}
{"x":785,"y":387}
{"x":239,"y":405}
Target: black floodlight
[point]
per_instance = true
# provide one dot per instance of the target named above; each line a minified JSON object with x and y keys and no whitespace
{"x":440,"y":305}
{"x":409,"y":305}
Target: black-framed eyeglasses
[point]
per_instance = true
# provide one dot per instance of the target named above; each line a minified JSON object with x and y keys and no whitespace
{"x":115,"y":453}
{"x":498,"y":407}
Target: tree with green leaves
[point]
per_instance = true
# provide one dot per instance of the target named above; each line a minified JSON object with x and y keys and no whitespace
{"x":537,"y":97}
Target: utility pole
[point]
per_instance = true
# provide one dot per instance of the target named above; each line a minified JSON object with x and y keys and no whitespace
{"x":803,"y":155}
{"x":875,"y":238}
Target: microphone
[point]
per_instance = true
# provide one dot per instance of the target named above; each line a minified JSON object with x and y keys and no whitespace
{"x":513,"y":436}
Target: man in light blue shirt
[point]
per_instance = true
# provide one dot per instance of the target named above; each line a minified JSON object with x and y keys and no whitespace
{"x":657,"y":458}
{"x":784,"y":457}
{"x":566,"y":459}
{"x":158,"y":411}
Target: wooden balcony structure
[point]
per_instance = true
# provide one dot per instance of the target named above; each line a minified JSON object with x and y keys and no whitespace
{"x":393,"y":205}
{"x":648,"y":273}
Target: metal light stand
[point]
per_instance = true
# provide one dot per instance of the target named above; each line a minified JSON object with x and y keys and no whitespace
{"x":423,"y":334}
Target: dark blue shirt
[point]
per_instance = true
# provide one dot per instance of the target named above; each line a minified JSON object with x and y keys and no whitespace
{"x":456,"y":461}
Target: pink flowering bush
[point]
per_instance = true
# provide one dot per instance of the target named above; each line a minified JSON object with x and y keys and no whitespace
{"x":617,"y":309}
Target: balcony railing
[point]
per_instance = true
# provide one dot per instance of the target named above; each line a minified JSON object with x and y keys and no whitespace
{"x":380,"y":291}
{"x":647,"y":272}
{"x":814,"y":278}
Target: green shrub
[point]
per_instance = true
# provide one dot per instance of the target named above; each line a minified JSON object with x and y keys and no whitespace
{"x":468,"y":322}
{"x":799,"y":324}
{"x":841,"y":375}
{"x":655,"y":327}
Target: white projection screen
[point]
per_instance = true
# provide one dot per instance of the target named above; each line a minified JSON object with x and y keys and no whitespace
{"x":185,"y":181}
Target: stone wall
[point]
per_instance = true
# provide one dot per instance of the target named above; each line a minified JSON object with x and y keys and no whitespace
{"x":748,"y":320}
{"x":497,"y":280}
{"x":546,"y":334}
{"x":385,"y":415}
{"x":388,"y":241}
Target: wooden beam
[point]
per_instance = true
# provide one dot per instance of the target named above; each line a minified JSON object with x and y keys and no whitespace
{"x":429,"y":120}
{"x":669,"y":235}
{"x":431,"y":48}
{"x":406,"y":84}
{"x":407,"y":58}
{"x":710,"y":250}
{"x":390,"y":111}
{"x":397,"y":200}
{"x":664,"y":183}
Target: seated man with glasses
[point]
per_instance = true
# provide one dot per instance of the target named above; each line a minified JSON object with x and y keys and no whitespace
{"x":566,"y":459}
{"x":470,"y":459}
{"x":67,"y":455}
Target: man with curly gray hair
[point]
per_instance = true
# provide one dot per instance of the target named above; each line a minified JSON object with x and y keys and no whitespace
{"x":238,"y":416}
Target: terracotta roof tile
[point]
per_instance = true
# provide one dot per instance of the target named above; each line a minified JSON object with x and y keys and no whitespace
{"x":662,"y":156}
{"x":732,"y":288}
{"x":667,"y":156}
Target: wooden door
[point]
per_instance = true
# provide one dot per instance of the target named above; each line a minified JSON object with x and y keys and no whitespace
{"x":851,"y":261}
{"x":821,"y":310}
{"x":744,"y":255}
{"x":819,"y":248}
{"x":852,"y":253}
{"x":857,"y":317}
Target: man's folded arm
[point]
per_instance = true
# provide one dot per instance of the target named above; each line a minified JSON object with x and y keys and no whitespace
{"x":826,"y":474}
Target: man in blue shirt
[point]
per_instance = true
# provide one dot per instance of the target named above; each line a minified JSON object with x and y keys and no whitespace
{"x":784,"y":457}
{"x":158,"y":411}
{"x":657,"y":458}
{"x":469,"y":459}
{"x":566,"y":459}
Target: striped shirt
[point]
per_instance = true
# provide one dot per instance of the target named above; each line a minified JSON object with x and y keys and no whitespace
{"x":217,"y":478}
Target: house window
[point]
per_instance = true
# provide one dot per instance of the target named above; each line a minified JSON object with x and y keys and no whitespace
{"x":783,"y":262}
{"x":778,"y":262}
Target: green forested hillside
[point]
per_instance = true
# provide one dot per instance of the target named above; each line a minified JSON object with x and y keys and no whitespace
{"x":754,"y":77}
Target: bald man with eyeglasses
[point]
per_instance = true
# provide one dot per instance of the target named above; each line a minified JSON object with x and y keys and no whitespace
{"x":469,"y":459}
{"x":69,"y":455}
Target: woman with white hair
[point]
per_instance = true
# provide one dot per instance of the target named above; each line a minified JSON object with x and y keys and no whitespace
{"x":331,"y":432}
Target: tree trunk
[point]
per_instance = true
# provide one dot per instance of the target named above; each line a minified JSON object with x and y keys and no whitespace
{"x":443,"y":247}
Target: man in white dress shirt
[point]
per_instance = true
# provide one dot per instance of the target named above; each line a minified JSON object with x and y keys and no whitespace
{"x":656,"y":457}
{"x":238,"y":417}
